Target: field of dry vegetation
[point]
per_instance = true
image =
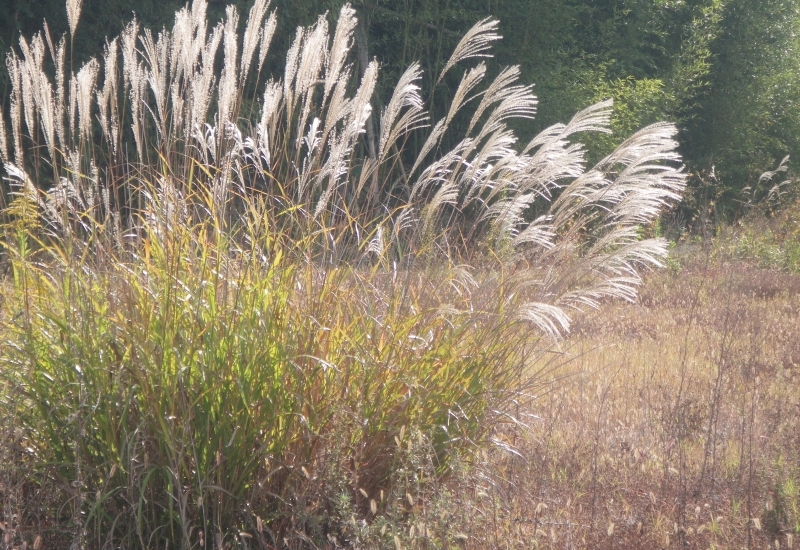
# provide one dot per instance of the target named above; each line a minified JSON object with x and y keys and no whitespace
{"x":676,"y":424}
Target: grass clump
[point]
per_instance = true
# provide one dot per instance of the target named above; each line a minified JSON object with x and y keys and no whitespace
{"x":280,"y":326}
{"x":203,"y":380}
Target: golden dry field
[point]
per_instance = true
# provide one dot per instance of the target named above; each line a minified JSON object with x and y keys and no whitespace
{"x":676,"y":424}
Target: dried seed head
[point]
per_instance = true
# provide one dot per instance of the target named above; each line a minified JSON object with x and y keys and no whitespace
{"x":3,"y":144}
{"x":252,"y":35}
{"x":84,"y":90}
{"x":73,"y":15}
{"x":476,"y":43}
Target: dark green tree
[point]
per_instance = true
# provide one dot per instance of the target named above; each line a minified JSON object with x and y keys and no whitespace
{"x":749,"y":116}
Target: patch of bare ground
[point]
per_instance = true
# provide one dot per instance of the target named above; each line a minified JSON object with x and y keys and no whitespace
{"x":678,"y":425}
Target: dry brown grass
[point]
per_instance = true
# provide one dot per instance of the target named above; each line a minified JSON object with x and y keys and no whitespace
{"x":678,"y":426}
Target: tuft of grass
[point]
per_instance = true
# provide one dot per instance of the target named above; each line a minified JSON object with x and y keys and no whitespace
{"x":200,"y":386}
{"x":272,"y":327}
{"x":770,"y":242}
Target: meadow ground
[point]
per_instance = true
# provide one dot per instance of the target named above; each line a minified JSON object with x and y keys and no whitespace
{"x":267,"y":332}
{"x":674,"y":423}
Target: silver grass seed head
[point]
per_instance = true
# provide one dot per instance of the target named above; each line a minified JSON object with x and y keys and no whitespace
{"x":271,"y":107}
{"x":496,"y":92}
{"x":548,"y":318}
{"x":228,"y":83}
{"x":312,"y":60}
{"x":27,"y":75}
{"x":73,"y":106}
{"x":12,"y":63}
{"x":361,"y":102}
{"x":471,"y":78}
{"x":252,"y":33}
{"x":407,"y":96}
{"x":339,"y":106}
{"x":265,"y":39}
{"x":518,"y":103}
{"x":49,"y":39}
{"x":183,"y":50}
{"x":3,"y":142}
{"x":292,"y":56}
{"x":202,"y":82}
{"x":198,"y":18}
{"x":313,"y":57}
{"x":107,"y":96}
{"x":341,"y":46}
{"x":60,"y":92}
{"x":433,"y":138}
{"x":130,"y":61}
{"x":47,"y":112}
{"x":73,"y":15}
{"x":86,"y":80}
{"x":475,"y":43}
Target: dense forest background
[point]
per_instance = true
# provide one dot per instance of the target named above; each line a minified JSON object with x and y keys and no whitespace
{"x":726,"y":71}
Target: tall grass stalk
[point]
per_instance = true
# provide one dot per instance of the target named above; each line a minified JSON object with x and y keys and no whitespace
{"x":218,"y":328}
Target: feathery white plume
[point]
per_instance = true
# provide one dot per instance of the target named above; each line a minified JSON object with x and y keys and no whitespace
{"x":73,"y":14}
{"x":468,"y":82}
{"x":3,"y":143}
{"x":85,"y":82}
{"x":107,"y":96}
{"x":252,"y":33}
{"x":405,"y":96}
{"x":12,"y":64}
{"x":266,"y":34}
{"x":342,"y":43}
{"x":476,"y":43}
{"x":228,"y":85}
{"x":292,"y":57}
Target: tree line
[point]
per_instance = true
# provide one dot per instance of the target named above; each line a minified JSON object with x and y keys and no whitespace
{"x":727,"y":72}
